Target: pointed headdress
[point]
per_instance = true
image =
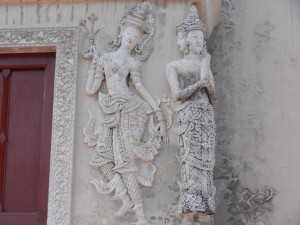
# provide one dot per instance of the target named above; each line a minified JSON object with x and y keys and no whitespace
{"x":192,"y":22}
{"x":140,"y":16}
{"x":137,"y":17}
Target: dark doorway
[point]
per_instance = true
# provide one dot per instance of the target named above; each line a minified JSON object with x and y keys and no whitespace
{"x":26,"y":103}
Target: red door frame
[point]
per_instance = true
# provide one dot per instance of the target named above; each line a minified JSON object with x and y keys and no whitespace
{"x":9,"y":62}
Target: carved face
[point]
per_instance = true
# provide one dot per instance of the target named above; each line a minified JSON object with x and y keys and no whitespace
{"x":130,"y":37}
{"x":195,"y":39}
{"x":181,"y":42}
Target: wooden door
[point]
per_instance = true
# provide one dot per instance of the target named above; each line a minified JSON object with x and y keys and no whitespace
{"x":26,"y":96}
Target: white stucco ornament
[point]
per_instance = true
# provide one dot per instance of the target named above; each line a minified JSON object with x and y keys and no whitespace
{"x":63,"y":41}
{"x":193,"y":91}
{"x":118,"y":143}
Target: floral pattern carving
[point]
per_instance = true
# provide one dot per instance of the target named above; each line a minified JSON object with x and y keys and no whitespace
{"x":65,"y":40}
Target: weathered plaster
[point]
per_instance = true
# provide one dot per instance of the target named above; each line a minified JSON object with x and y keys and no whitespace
{"x":255,"y":62}
{"x":255,"y":56}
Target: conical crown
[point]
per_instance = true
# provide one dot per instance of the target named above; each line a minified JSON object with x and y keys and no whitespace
{"x":137,"y":16}
{"x":192,"y":22}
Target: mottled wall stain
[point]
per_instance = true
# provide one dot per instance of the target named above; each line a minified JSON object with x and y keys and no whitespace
{"x":246,"y":204}
{"x":47,"y":13}
{"x":263,"y":31}
{"x":255,"y":65}
{"x":86,"y":8}
{"x":6,"y":14}
{"x":58,"y":13}
{"x":72,"y":13}
{"x":21,"y":15}
{"x":38,"y":12}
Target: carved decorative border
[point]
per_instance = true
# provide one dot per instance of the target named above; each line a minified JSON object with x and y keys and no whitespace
{"x":65,"y":41}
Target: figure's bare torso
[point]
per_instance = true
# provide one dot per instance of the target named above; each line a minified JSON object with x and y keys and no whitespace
{"x":116,"y":69}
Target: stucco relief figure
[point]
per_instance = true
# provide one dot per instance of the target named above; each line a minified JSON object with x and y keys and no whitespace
{"x":118,"y":143}
{"x":192,"y":87}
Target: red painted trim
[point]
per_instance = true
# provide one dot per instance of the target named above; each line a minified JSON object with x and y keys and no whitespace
{"x":20,"y":219}
{"x":30,"y":61}
{"x":3,"y":132}
{"x":33,"y":60}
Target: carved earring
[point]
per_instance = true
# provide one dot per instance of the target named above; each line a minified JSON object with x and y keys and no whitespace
{"x":187,"y":48}
{"x":119,"y":39}
{"x":139,"y":47}
{"x":204,"y":49}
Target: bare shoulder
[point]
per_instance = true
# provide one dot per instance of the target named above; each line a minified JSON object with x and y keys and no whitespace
{"x":181,"y":66}
{"x":176,"y":64}
{"x":205,"y":57}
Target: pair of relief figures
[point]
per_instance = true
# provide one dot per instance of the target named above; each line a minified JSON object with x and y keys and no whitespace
{"x":118,"y":143}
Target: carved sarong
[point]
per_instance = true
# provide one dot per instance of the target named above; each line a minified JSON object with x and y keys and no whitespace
{"x":120,"y":141}
{"x":196,"y":132}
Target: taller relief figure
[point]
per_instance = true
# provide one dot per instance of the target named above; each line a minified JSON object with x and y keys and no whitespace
{"x":193,"y":89}
{"x":118,"y":143}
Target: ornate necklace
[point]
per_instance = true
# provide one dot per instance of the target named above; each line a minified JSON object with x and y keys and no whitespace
{"x":116,"y":64}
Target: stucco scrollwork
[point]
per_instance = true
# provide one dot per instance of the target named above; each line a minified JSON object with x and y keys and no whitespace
{"x":193,"y":91}
{"x":65,"y":41}
{"x":118,"y":143}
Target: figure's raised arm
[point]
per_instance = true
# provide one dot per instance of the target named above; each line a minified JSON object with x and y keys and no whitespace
{"x":95,"y":75}
{"x":208,"y":79}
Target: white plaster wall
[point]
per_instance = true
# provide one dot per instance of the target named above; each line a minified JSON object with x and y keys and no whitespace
{"x":256,"y":60}
{"x":256,"y":63}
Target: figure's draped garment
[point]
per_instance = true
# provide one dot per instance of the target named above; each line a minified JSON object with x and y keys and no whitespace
{"x":120,"y":141}
{"x":196,"y":132}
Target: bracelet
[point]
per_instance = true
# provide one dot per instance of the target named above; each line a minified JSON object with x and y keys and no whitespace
{"x":99,"y":68}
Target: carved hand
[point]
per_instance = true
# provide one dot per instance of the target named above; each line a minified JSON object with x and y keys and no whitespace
{"x":162,"y":126}
{"x":203,"y":83}
{"x":163,"y":132}
{"x":91,"y":52}
{"x":95,"y":76}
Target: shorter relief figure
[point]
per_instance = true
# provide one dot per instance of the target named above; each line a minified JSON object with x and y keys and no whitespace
{"x":120,"y":151}
{"x":192,"y":87}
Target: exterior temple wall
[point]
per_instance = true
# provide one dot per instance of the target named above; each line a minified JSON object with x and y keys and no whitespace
{"x":255,"y":56}
{"x":256,"y":65}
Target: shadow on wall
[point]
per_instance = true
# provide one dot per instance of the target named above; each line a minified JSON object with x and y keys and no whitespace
{"x":246,"y":205}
